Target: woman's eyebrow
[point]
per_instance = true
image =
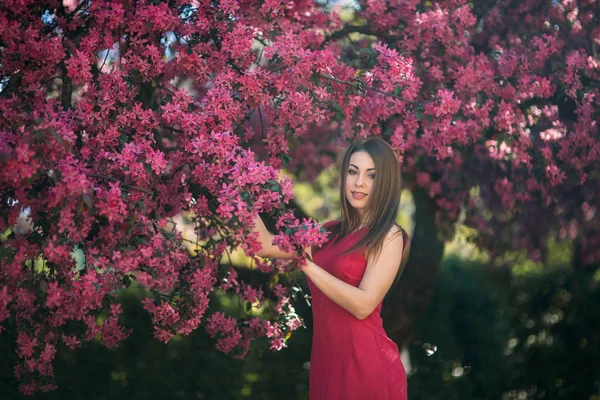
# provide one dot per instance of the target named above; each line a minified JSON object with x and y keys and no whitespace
{"x":368,"y":169}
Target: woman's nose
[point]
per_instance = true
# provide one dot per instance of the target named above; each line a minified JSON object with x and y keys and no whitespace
{"x":359,"y":180}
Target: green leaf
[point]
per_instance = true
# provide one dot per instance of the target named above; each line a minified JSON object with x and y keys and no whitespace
{"x":6,"y":254}
{"x":419,"y":114}
{"x":56,"y":136}
{"x":286,"y":160}
{"x":87,"y":200}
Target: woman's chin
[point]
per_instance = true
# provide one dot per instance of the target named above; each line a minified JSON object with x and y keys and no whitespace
{"x":360,"y":208}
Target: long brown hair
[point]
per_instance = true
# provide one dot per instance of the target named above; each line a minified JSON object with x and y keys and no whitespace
{"x":384,"y":199}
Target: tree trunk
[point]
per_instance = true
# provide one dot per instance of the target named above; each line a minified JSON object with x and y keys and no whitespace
{"x":410,"y":297}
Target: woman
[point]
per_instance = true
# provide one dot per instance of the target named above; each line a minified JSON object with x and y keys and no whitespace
{"x":352,"y":358}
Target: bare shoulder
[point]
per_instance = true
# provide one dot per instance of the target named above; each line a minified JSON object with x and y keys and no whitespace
{"x":391,"y":248}
{"x":394,"y":235}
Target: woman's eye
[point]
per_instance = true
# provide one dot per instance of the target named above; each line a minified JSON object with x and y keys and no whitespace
{"x":372,"y":176}
{"x":351,"y":172}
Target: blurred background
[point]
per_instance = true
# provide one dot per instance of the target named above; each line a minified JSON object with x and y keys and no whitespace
{"x":507,"y":329}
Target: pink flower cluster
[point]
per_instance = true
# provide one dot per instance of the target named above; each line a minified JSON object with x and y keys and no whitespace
{"x":295,"y":235}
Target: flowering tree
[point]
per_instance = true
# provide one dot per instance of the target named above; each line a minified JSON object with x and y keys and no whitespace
{"x":519,"y":163}
{"x":119,"y":115}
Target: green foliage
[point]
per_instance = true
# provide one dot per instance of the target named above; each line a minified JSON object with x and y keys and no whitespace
{"x":506,"y":335}
{"x":463,"y":323}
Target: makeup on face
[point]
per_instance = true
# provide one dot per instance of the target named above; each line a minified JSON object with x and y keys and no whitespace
{"x":359,"y":179}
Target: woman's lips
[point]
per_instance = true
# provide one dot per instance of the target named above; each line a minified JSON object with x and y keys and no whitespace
{"x":358,"y":195}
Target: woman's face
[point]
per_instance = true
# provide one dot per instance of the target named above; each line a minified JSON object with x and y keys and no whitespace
{"x":359,"y":180}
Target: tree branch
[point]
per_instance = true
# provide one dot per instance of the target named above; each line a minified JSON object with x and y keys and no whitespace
{"x":346,"y":30}
{"x":332,"y":78}
{"x":261,"y":121}
{"x":79,"y":7}
{"x":67,"y":88}
{"x":13,"y":83}
{"x":110,"y":178}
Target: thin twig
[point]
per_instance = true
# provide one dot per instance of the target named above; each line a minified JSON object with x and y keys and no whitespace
{"x":278,"y":68}
{"x":348,"y":29}
{"x":172,"y":93}
{"x":105,"y":58}
{"x":332,"y":78}
{"x":52,"y":78}
{"x":391,"y":95}
{"x":261,"y":121}
{"x":110,"y":178}
{"x":171,"y":128}
{"x":79,"y":7}
{"x":120,"y":51}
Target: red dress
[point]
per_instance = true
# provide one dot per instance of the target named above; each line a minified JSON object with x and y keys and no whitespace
{"x":351,"y":359}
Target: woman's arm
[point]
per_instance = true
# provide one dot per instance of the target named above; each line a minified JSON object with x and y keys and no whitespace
{"x":378,"y":278}
{"x":265,"y":238}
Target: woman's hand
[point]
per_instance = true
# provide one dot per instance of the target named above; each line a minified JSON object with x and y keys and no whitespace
{"x":307,"y":266}
{"x":266,"y":241}
{"x":307,"y":253}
